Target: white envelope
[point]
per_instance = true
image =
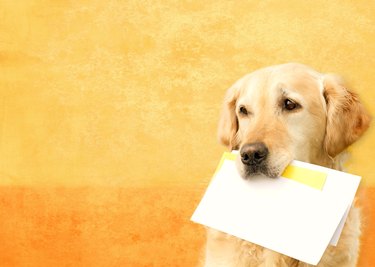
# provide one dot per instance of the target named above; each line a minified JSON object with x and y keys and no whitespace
{"x":280,"y":214}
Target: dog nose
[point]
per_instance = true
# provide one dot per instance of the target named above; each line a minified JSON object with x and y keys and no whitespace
{"x":253,"y":153}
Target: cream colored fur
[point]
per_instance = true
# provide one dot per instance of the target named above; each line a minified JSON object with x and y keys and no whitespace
{"x":329,"y":120}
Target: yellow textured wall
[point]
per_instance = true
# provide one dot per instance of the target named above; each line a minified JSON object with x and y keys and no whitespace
{"x":127,"y":94}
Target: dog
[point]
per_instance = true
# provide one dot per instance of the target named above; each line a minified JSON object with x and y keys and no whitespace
{"x":272,"y":116}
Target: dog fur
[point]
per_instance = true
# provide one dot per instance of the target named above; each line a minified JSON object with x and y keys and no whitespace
{"x":327,"y":119}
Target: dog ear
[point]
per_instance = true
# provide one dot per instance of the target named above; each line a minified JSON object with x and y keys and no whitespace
{"x":347,"y":119}
{"x":228,"y":123}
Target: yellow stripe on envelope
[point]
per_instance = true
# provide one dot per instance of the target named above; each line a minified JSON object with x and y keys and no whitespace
{"x":226,"y":155}
{"x":312,"y":178}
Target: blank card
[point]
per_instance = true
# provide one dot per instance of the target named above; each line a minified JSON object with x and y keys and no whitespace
{"x":297,"y":215}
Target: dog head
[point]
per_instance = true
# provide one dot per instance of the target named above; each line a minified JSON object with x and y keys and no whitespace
{"x":286,"y":112}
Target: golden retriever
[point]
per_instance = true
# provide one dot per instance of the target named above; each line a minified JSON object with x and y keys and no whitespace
{"x":278,"y":114}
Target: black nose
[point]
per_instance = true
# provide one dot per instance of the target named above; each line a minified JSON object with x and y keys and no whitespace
{"x":254,"y":153}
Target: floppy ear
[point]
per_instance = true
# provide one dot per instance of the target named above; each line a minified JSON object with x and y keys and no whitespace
{"x":228,"y":123}
{"x":347,"y":119}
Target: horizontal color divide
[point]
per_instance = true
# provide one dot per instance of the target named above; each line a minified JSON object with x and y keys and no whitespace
{"x":96,"y":226}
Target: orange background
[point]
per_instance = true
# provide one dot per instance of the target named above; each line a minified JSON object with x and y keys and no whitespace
{"x":108,"y":114}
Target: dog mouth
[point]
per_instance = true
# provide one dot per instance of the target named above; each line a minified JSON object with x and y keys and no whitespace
{"x":263,"y":170}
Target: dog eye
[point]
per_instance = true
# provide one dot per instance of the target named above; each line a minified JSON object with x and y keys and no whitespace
{"x":243,"y":111}
{"x":290,"y":105}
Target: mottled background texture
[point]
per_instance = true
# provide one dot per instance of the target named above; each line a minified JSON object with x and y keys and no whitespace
{"x":108,"y":114}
